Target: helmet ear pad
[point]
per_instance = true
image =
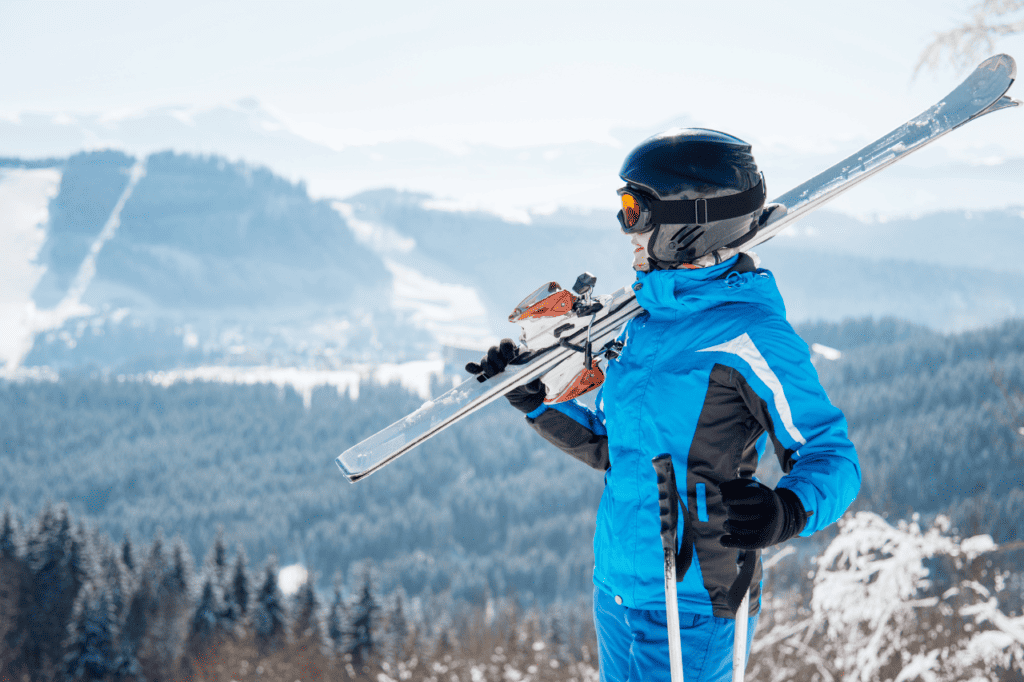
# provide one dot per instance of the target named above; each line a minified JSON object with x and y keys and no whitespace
{"x":671,"y":245}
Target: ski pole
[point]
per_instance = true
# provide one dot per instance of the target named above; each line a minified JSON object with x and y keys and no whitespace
{"x":668,"y":508}
{"x":746,"y":560}
{"x":739,"y":640}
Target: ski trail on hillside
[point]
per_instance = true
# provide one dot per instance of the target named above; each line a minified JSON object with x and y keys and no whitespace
{"x":71,"y":305}
{"x":72,"y":300}
{"x":380,"y":239}
{"x":453,"y":313}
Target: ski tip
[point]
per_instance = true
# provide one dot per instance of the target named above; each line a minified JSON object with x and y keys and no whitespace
{"x":1000,"y":61}
{"x":352,"y":476}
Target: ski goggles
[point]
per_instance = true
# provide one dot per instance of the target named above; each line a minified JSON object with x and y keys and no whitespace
{"x":642,"y":213}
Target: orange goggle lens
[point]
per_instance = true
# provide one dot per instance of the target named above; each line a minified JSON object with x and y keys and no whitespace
{"x":630,"y":209}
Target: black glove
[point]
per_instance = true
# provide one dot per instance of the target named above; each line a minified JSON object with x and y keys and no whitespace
{"x":496,"y":359}
{"x":525,"y":398}
{"x":759,"y":516}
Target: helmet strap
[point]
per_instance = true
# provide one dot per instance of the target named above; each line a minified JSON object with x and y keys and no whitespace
{"x":703,"y":211}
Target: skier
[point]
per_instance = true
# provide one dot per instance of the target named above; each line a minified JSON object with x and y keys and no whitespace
{"x":706,"y":374}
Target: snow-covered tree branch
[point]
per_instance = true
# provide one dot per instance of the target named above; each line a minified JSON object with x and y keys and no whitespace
{"x":899,"y":603}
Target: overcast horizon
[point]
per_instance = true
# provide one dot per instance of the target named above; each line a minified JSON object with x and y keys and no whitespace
{"x":453,"y":99}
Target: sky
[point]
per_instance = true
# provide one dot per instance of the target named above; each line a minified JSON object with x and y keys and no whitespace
{"x":794,"y":77}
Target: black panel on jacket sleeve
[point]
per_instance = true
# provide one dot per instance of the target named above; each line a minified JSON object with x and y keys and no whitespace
{"x":573,"y":438}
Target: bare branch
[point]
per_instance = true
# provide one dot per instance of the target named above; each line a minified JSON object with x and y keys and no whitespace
{"x":963,"y":46}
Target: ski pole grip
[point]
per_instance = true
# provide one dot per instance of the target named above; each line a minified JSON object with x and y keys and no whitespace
{"x":668,"y":500}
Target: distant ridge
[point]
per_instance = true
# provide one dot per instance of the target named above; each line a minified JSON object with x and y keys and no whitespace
{"x":217,"y":262}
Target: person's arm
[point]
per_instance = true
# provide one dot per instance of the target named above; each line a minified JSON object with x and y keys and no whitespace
{"x":569,"y":426}
{"x":781,"y":389}
{"x":573,"y":429}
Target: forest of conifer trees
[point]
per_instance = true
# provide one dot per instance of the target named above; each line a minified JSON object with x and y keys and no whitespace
{"x":76,"y":606}
{"x":472,"y":551}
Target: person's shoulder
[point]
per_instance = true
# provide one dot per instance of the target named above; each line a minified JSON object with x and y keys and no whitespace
{"x":773,"y":332}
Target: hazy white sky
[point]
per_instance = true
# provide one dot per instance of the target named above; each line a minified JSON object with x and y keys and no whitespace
{"x":806,"y":81}
{"x":511,"y":73}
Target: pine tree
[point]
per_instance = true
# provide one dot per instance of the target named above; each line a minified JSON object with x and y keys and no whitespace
{"x":133,"y":628}
{"x":128,"y":553}
{"x":238,"y":591}
{"x":557,"y":637}
{"x":56,"y":564}
{"x":203,"y":629}
{"x":114,"y":578}
{"x":14,"y":586}
{"x":167,"y":609}
{"x":176,"y":579}
{"x":396,"y":633}
{"x":268,"y":615}
{"x":337,"y":620}
{"x":217,"y":561}
{"x":92,"y":637}
{"x":8,"y":536}
{"x":363,"y":646}
{"x":306,"y":607}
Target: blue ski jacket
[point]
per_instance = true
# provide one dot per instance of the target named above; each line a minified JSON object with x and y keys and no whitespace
{"x":707,"y":374}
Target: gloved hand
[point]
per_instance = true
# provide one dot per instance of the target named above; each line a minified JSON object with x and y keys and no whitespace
{"x":758,"y":516}
{"x":525,"y":398}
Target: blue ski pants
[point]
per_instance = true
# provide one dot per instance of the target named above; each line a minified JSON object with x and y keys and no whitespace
{"x":632,"y":644}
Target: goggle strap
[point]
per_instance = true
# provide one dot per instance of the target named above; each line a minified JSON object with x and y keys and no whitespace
{"x":701,"y":211}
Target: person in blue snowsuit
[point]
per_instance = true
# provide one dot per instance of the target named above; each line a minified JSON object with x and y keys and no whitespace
{"x":707,"y":373}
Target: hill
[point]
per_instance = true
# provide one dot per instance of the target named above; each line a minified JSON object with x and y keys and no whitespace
{"x":486,"y":506}
{"x":129,"y":265}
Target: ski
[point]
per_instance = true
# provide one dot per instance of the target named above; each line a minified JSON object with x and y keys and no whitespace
{"x":558,"y":327}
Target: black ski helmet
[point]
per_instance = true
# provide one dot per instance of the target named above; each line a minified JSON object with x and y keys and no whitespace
{"x":704,"y":192}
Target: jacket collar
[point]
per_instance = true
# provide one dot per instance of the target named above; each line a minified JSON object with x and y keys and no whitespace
{"x":666,"y":293}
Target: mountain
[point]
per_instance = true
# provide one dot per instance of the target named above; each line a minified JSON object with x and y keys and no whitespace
{"x":153,"y":262}
{"x":135,"y":264}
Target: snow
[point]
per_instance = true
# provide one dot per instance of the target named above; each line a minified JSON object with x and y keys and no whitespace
{"x":826,"y":352}
{"x":979,"y":544}
{"x":379,"y":238}
{"x":291,"y":578}
{"x":24,"y":211}
{"x":415,"y":376}
{"x":874,"y":601}
{"x":453,"y":313}
{"x":920,"y":668}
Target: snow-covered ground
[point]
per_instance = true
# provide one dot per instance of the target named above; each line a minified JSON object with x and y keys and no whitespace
{"x":25,"y":196}
{"x":414,"y":376}
{"x":453,"y":313}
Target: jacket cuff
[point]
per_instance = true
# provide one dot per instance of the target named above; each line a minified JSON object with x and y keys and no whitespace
{"x":537,"y":412}
{"x":793,"y":513}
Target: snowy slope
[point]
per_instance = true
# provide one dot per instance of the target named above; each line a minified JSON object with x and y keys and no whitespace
{"x":25,"y":196}
{"x":452,"y":312}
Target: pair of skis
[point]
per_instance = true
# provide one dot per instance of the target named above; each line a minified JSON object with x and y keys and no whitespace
{"x":565,"y":338}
